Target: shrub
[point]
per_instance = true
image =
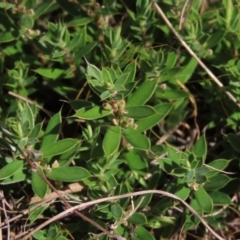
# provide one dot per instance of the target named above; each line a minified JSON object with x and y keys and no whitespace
{"x":102,"y":106}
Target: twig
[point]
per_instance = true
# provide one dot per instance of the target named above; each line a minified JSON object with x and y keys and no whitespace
{"x":194,"y":104}
{"x":134,"y":209}
{"x":185,"y":11}
{"x":29,"y":101}
{"x":94,"y":202}
{"x":68,"y":206}
{"x":167,"y":135}
{"x":36,"y":202}
{"x":190,"y":51}
{"x":5,"y":215}
{"x":72,"y":188}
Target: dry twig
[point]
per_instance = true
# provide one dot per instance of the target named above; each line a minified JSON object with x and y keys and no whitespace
{"x":193,"y":54}
{"x":81,"y":206}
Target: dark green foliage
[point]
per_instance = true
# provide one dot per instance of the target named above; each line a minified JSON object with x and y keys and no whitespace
{"x":103,"y":94}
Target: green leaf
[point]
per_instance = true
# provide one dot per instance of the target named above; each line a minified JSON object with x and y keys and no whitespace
{"x":122,"y":189}
{"x":135,"y":161}
{"x":78,"y":41}
{"x":169,"y":74}
{"x":174,"y":154}
{"x":146,"y":123}
{"x":139,"y":112}
{"x":10,"y":35}
{"x":200,"y":148}
{"x":10,"y":169}
{"x":171,"y":60}
{"x":130,"y":69}
{"x":201,"y":170}
{"x":39,"y":186}
{"x":67,"y":157}
{"x":94,"y":72}
{"x":78,"y":104}
{"x":105,"y":95}
{"x":144,"y":202}
{"x":142,"y":94}
{"x":200,"y":179}
{"x":215,"y":38}
{"x":70,"y":7}
{"x":36,"y":213}
{"x":186,"y":72}
{"x":6,"y":5}
{"x":220,"y":198}
{"x":229,"y":8}
{"x":117,"y":211}
{"x":26,"y":21}
{"x":111,"y":140}
{"x":182,"y":192}
{"x":216,"y":166}
{"x":91,"y":113}
{"x":234,"y":140}
{"x":36,"y":131}
{"x":68,"y":174}
{"x":136,"y":139}
{"x":178,"y":172}
{"x":51,"y":73}
{"x":106,"y":77}
{"x":18,"y":176}
{"x":42,"y":8}
{"x":58,"y":148}
{"x":138,"y":219}
{"x":174,"y":94}
{"x":27,"y":116}
{"x":79,"y":21}
{"x":52,"y":131}
{"x":216,"y":182}
{"x":203,"y":199}
{"x":121,"y":80}
{"x":142,"y":234}
{"x":168,"y":164}
{"x":85,"y":50}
